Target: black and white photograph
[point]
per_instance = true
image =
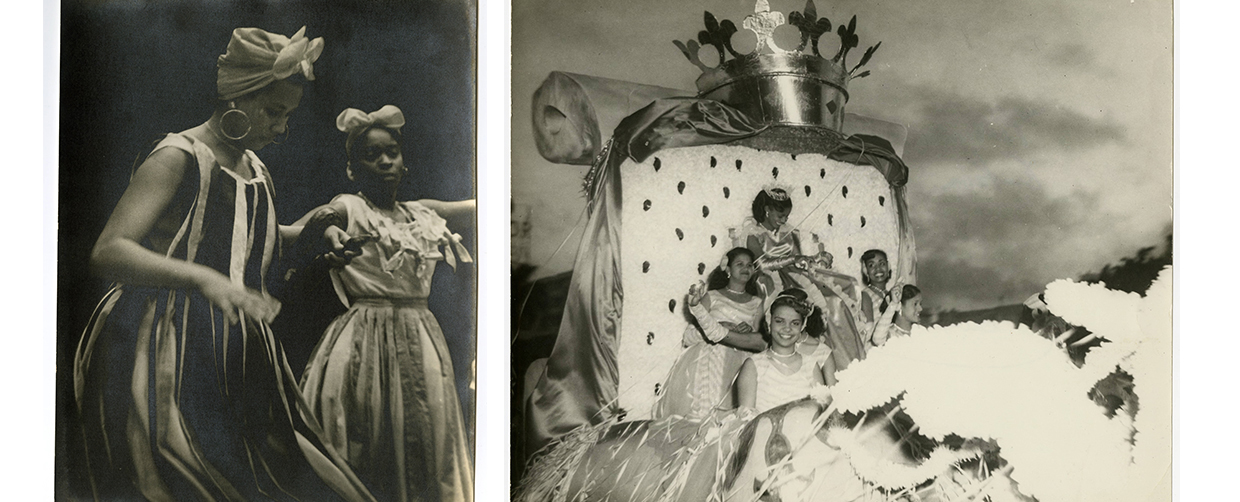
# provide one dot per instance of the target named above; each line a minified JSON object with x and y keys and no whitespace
{"x":796,"y":250}
{"x":266,"y":251}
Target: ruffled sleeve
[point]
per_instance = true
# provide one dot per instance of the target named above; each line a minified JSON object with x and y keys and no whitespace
{"x":436,"y":240}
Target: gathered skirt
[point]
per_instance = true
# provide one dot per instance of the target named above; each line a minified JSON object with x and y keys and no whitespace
{"x":381,"y":384}
{"x":174,"y":404}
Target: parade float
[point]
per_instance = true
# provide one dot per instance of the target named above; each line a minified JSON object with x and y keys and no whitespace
{"x":989,"y":411}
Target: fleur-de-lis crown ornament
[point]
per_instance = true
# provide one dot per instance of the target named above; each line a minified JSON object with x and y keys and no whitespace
{"x":777,"y":72}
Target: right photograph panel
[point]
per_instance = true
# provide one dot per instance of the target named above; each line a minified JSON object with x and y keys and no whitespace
{"x":841,"y":250}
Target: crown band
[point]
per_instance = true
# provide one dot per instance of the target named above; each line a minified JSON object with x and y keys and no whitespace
{"x":776,"y":85}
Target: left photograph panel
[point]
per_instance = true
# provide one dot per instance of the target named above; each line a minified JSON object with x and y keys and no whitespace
{"x":267,"y":251}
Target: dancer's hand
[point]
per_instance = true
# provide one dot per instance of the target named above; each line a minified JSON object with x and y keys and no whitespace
{"x":696,"y":293}
{"x":235,"y":299}
{"x":342,"y":248}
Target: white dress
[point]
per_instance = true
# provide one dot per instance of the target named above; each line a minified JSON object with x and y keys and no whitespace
{"x":701,"y":378}
{"x":777,"y":385}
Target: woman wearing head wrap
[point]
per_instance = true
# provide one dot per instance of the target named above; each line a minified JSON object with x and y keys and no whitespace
{"x":182,"y":390}
{"x":381,"y":380}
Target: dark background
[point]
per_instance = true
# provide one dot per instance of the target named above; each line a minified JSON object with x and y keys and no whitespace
{"x":132,"y":72}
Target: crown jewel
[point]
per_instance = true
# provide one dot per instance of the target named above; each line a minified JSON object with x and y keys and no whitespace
{"x":771,"y":76}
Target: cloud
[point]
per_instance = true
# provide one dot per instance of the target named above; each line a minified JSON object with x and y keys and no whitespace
{"x":1000,"y":244}
{"x":949,"y":126}
{"x":963,"y":285}
{"x":1071,"y":55}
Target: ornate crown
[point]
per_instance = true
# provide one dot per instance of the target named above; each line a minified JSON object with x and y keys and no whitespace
{"x":769,"y":82}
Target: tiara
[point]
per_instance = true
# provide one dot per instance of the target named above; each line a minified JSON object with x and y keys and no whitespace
{"x":776,"y":192}
{"x":797,"y":303}
{"x":771,"y":77}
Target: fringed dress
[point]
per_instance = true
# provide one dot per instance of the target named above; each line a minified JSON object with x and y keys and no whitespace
{"x":173,"y":403}
{"x":381,"y":379}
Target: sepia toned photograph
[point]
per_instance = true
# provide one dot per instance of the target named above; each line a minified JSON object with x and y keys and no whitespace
{"x":266,"y":261}
{"x":839,"y":250}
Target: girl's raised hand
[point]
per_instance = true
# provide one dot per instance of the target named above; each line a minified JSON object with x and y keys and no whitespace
{"x":696,"y":293}
{"x":234,"y":298}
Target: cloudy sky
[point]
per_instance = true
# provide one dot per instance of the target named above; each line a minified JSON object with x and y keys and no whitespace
{"x":1039,"y":131}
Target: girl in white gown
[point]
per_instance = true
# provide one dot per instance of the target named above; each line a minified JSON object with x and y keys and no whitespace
{"x":727,"y":310}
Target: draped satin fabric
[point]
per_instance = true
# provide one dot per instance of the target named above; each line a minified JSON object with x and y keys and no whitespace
{"x":581,"y":376}
{"x":581,"y":379}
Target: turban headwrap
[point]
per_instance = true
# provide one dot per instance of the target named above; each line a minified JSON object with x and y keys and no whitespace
{"x":256,"y":58}
{"x":354,"y":122}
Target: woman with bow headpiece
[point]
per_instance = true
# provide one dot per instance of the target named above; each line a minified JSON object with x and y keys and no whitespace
{"x":381,"y":379}
{"x":182,"y":391}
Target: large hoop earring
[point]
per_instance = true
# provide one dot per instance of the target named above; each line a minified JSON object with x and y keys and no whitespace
{"x":232,"y":120}
{"x":288,"y":130}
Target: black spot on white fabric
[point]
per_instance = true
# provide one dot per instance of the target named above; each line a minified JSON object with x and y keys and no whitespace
{"x":645,"y":266}
{"x":680,"y":187}
{"x":881,"y":200}
{"x":657,"y":164}
{"x":650,"y":340}
{"x":822,"y":173}
{"x":705,"y":211}
{"x":738,"y":164}
{"x":656,"y":391}
{"x":775,"y":172}
{"x":807,"y":190}
{"x":830,"y":219}
{"x":850,"y":251}
{"x":726,"y":193}
{"x":671,"y":305}
{"x":713,"y":240}
{"x":701,"y":268}
{"x":863,"y":222}
{"x":646,"y":205}
{"x":844,"y":191}
{"x":794,"y":156}
{"x":713,"y":161}
{"x":680,"y":234}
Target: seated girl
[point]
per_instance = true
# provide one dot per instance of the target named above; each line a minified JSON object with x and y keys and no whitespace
{"x":728,"y":310}
{"x":904,"y":319}
{"x":776,"y":245}
{"x":782,"y":374}
{"x":855,"y":309}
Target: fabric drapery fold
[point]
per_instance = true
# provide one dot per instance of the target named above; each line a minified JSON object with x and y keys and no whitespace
{"x":581,"y":379}
{"x":256,"y":58}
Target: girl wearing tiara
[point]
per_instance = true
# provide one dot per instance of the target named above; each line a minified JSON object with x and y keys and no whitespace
{"x":381,"y":379}
{"x":182,"y":391}
{"x":777,"y":246}
{"x":727,"y":309}
{"x":783,"y":374}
